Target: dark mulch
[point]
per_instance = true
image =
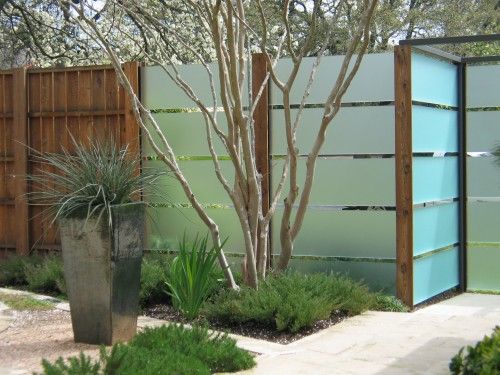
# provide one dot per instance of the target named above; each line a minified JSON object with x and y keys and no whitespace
{"x":439,"y":298}
{"x":167,"y":312}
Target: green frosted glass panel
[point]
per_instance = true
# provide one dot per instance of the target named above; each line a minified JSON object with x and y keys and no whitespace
{"x":483,"y":82}
{"x":434,"y":129}
{"x":435,"y":178}
{"x":343,"y":233}
{"x":483,"y":268}
{"x":434,"y":80}
{"x":168,"y":225}
{"x":186,"y":134}
{"x":159,"y":91}
{"x":200,"y":174}
{"x":348,"y":181}
{"x":435,"y":274}
{"x":434,"y":227}
{"x":483,"y":221}
{"x":374,"y":80}
{"x":483,"y":177}
{"x":378,"y":276}
{"x":355,"y":130}
{"x":483,"y":130}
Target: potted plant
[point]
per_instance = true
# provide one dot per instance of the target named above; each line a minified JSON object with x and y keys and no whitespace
{"x":93,"y":194}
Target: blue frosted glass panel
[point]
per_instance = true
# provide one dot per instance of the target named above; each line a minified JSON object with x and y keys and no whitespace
{"x":435,"y":274}
{"x":434,"y":227}
{"x":482,"y":86}
{"x":433,"y":80}
{"x":435,"y":178}
{"x":434,"y":129}
{"x":483,"y":130}
{"x":378,"y":276}
{"x":483,"y":177}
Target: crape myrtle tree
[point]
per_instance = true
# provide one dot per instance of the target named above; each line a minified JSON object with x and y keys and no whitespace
{"x":232,"y":37}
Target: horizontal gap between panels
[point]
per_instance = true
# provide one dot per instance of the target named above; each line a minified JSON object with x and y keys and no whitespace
{"x":483,"y":109}
{"x":434,"y":105}
{"x":299,"y":257}
{"x":439,"y":202}
{"x":433,"y":252}
{"x":483,"y":199}
{"x":483,"y":244}
{"x":316,"y":207}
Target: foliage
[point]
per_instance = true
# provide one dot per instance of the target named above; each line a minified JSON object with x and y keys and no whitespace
{"x":190,"y":278}
{"x":290,"y":302}
{"x":46,"y":276}
{"x":481,"y":359}
{"x":12,"y":269}
{"x":163,"y":350}
{"x":89,"y":181}
{"x":24,"y":302}
{"x":389,"y":303}
{"x":154,"y":274}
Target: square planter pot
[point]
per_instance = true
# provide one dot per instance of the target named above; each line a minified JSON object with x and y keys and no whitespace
{"x":102,"y":268}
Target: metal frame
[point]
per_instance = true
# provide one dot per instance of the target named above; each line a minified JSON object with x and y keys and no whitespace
{"x":423,"y":45}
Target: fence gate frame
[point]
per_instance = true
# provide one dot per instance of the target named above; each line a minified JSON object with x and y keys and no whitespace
{"x":404,"y":152}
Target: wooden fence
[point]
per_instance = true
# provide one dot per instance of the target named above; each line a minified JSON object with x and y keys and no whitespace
{"x":40,"y":109}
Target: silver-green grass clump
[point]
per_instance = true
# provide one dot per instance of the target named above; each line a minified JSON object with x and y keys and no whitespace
{"x":89,"y":181}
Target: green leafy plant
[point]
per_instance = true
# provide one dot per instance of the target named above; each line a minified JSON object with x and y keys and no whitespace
{"x":46,"y":276}
{"x":190,"y":280}
{"x":166,"y":350}
{"x":481,"y":359}
{"x":89,"y":181}
{"x":12,"y":269}
{"x":154,"y":275}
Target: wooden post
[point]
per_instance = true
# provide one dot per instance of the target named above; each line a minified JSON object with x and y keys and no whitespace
{"x":404,"y":190}
{"x":261,"y":129}
{"x":20,"y":136}
{"x":130,"y":129}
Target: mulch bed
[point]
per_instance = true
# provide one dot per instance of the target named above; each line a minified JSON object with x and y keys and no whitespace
{"x":167,"y":312}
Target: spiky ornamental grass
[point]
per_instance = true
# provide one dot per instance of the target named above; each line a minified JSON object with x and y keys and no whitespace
{"x":90,"y":181}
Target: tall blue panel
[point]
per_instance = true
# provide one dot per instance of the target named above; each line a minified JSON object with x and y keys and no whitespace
{"x":434,"y":129}
{"x":435,"y":179}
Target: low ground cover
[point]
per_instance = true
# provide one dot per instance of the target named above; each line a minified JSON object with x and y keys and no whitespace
{"x":482,"y":358}
{"x":24,"y":302}
{"x":169,"y":349}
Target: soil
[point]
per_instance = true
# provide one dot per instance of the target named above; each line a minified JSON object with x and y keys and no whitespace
{"x":254,"y":330}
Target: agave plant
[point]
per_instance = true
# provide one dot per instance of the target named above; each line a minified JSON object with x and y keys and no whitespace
{"x":89,"y":181}
{"x":191,"y":275}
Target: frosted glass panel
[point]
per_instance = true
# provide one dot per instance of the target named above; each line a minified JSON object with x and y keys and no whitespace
{"x":167,"y":225}
{"x":482,"y":86}
{"x":483,"y":130}
{"x":435,"y":274}
{"x":483,"y":219}
{"x":201,"y":176}
{"x":355,"y":130}
{"x":344,"y":233}
{"x":348,"y":181}
{"x":483,"y":177}
{"x":435,"y":178}
{"x":186,"y":134}
{"x":434,"y":129}
{"x":378,"y":276}
{"x":433,"y":80}
{"x":434,"y":227}
{"x":158,"y":90}
{"x":373,"y":82}
{"x":482,"y":268}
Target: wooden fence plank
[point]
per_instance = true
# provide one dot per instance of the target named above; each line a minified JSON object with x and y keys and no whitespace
{"x":261,"y":128}
{"x":130,"y":133}
{"x":404,"y":190}
{"x":21,"y":161}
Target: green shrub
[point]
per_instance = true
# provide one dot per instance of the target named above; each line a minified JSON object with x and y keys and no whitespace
{"x":190,"y":279}
{"x":12,"y":269}
{"x":389,"y":303}
{"x":481,"y":359}
{"x":46,"y":277}
{"x":154,"y":275}
{"x":163,"y":350}
{"x":292,"y":301}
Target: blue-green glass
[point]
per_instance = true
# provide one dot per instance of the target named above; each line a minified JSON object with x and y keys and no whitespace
{"x":434,"y":227}
{"x":483,"y":177}
{"x":482,"y":268}
{"x":483,"y":220}
{"x":435,"y":178}
{"x":434,"y":80}
{"x":483,"y":130}
{"x":435,"y":274}
{"x":483,"y":82}
{"x":434,"y":129}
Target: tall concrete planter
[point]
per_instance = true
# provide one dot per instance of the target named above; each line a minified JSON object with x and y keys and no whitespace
{"x":102,"y":268}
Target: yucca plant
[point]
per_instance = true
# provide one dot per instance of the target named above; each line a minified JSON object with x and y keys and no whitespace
{"x":89,"y":181}
{"x":191,"y":275}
